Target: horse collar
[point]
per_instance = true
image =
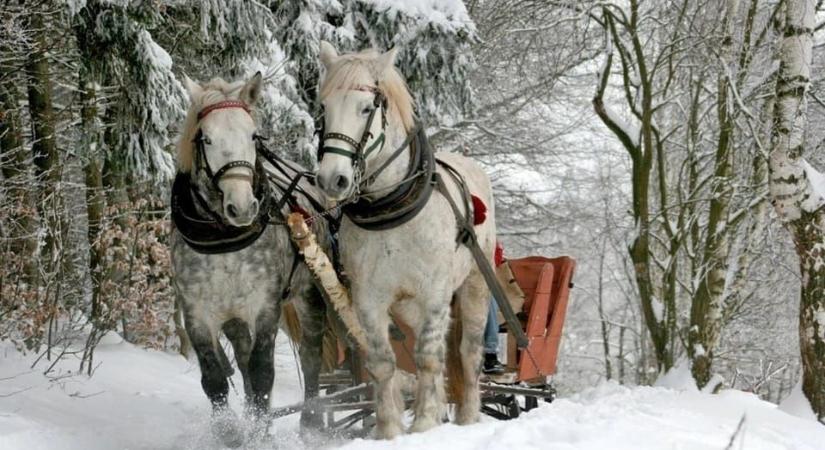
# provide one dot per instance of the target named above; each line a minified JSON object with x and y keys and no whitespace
{"x":405,"y":201}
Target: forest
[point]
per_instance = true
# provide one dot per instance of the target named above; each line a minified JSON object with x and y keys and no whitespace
{"x":674,"y":148}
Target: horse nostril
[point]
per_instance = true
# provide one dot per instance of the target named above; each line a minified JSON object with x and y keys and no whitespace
{"x":341,"y":182}
{"x":231,"y":211}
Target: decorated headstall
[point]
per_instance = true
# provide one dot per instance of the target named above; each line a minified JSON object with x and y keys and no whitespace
{"x":360,"y":153}
{"x":202,"y":162}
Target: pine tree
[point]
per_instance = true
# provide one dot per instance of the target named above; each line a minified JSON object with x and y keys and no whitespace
{"x":434,"y":41}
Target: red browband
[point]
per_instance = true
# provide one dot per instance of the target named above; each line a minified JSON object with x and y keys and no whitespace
{"x":366,"y":88}
{"x":223,"y":105}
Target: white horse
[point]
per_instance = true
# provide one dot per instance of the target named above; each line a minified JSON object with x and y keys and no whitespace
{"x":412,"y":270}
{"x":233,"y":268}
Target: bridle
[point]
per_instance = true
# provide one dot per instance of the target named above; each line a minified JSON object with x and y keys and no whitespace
{"x":359,"y":156}
{"x":202,"y":162}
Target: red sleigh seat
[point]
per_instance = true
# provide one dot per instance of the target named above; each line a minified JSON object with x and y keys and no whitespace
{"x":546,"y":284}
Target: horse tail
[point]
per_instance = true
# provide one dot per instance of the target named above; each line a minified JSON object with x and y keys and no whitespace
{"x":455,"y":371}
{"x":329,"y":346}
{"x":289,"y":319}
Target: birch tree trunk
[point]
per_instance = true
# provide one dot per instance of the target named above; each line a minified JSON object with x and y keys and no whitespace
{"x":706,"y":307}
{"x":797,"y":201}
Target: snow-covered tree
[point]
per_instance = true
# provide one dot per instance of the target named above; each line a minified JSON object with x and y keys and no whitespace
{"x":145,"y":99}
{"x":433,"y":37}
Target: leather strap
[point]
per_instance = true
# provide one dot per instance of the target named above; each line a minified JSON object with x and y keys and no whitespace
{"x":467,"y":236}
{"x":223,"y":105}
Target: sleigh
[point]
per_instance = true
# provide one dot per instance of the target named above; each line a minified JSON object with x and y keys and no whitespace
{"x":538,"y":290}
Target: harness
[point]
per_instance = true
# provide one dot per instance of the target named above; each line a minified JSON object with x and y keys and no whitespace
{"x":203,"y":230}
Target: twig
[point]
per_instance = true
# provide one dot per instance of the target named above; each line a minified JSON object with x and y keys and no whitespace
{"x":739,"y":429}
{"x":79,"y":395}
{"x":17,"y":392}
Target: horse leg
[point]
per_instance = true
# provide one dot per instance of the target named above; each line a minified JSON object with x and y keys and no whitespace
{"x":473,"y":297}
{"x":213,"y":381}
{"x":238,"y":334}
{"x":429,"y":362}
{"x":380,"y":363}
{"x":312,"y":334}
{"x":261,"y":359}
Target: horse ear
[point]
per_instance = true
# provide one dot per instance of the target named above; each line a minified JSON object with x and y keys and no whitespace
{"x":328,"y":54}
{"x":192,"y":87}
{"x":251,"y":91}
{"x":386,"y":60}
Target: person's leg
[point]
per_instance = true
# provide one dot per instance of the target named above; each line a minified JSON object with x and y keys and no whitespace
{"x":491,"y":330}
{"x":491,"y":364}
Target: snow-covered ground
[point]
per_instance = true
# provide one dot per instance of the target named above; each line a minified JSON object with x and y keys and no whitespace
{"x":141,"y":399}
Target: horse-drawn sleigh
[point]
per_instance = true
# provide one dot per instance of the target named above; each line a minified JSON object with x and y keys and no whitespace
{"x":537,"y":287}
{"x":415,"y":234}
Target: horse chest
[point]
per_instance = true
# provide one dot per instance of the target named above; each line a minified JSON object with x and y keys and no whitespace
{"x":223,"y":286}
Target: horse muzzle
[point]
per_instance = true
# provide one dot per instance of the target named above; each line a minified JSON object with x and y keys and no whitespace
{"x":240,"y":214}
{"x":337,"y":186}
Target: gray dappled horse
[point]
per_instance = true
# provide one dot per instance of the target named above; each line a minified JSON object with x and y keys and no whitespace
{"x":232,"y":265}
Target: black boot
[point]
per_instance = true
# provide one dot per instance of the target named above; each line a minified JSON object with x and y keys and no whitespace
{"x":491,"y":365}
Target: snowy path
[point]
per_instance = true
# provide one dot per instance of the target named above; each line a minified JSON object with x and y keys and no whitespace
{"x":150,"y":400}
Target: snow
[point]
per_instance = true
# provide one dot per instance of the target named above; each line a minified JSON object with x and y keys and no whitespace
{"x":797,"y":405}
{"x":816,"y":181}
{"x":141,"y":399}
{"x":819,"y":318}
{"x":630,"y":129}
{"x":678,"y":378}
{"x":449,"y":14}
{"x":658,"y":309}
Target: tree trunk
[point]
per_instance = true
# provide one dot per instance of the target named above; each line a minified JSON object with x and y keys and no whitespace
{"x":608,"y":370}
{"x":641,"y":154}
{"x":95,"y":200}
{"x":797,"y":202}
{"x":14,"y":163}
{"x":706,"y":307}
{"x":46,"y":158}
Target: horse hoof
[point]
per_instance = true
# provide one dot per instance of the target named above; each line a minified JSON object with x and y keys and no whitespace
{"x":225,"y":427}
{"x":420,"y":426}
{"x":388,"y":432}
{"x":311,"y":421}
{"x":467,"y":418}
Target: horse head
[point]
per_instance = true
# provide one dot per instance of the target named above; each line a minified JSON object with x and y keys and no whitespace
{"x":366,"y":103}
{"x":218,"y":148}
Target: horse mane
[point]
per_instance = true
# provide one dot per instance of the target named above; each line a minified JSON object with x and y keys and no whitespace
{"x":216,"y":90}
{"x":346,"y":74}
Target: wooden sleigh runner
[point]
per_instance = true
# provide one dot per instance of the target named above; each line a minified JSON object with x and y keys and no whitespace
{"x":537,"y":290}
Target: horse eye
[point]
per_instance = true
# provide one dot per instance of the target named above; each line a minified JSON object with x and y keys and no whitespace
{"x":205,"y":139}
{"x":367,"y":110}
